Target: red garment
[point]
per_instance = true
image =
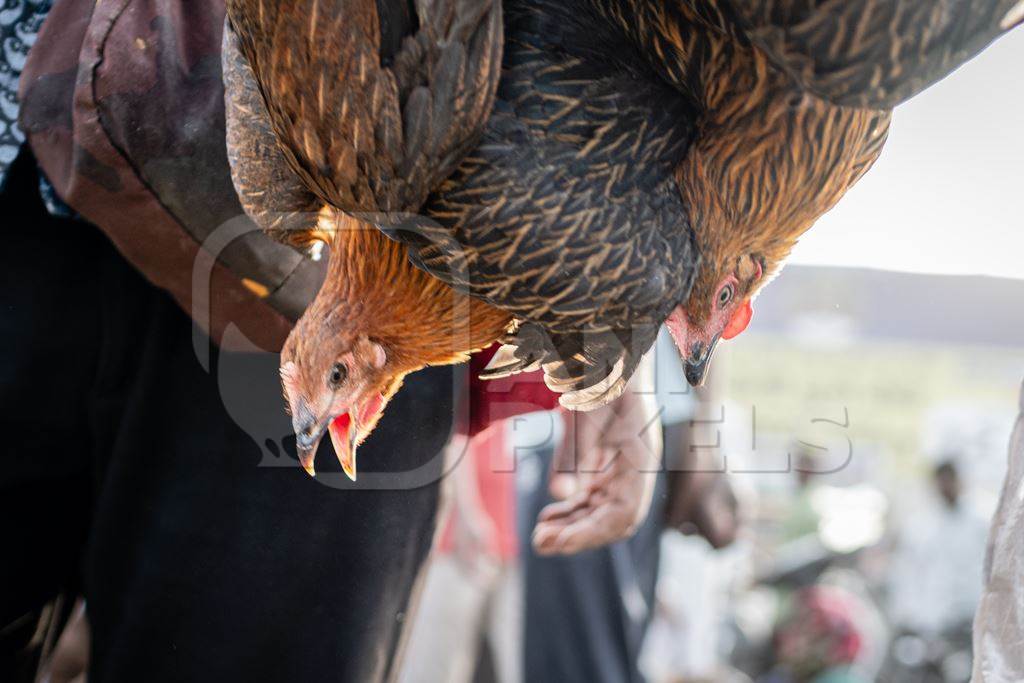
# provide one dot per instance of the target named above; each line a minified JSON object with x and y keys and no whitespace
{"x":500,"y":399}
{"x":491,"y":402}
{"x":496,"y":488}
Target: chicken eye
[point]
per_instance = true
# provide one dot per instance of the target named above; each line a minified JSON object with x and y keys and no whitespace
{"x":338,"y":374}
{"x":725,"y":295}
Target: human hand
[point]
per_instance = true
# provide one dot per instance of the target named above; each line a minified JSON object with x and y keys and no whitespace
{"x":603,"y":475}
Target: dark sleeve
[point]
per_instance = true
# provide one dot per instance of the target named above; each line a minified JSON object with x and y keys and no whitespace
{"x":373,"y":107}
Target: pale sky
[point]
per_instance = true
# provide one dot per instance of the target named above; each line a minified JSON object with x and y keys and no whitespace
{"x":947,"y":194}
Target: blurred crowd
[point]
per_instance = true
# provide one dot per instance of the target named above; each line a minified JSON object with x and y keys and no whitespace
{"x":826,"y":580}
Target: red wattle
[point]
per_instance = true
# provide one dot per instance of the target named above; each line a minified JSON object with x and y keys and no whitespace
{"x":739,"y":320}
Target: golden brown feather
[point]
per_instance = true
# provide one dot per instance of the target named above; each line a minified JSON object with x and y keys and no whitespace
{"x":628,"y":138}
{"x":372,"y":290}
{"x":375,"y":320}
{"x":359,"y":106}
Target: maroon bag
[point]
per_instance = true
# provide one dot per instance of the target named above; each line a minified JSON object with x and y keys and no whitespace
{"x":123,"y":105}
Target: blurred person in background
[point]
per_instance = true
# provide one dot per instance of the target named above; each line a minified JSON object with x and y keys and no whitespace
{"x":684,"y":641}
{"x":608,"y":466}
{"x":586,"y":615}
{"x":936,"y":583}
{"x":695,"y":577}
{"x":937,"y":566}
{"x":472,"y":596}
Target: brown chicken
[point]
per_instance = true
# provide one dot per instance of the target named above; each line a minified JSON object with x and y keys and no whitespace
{"x":408,"y":320}
{"x":640,"y":162}
{"x":796,"y":100}
{"x":766,"y":113}
{"x":376,"y":318}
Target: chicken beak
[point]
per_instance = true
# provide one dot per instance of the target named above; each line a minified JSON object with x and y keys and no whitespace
{"x":344,"y":437}
{"x":308,"y":432}
{"x":306,"y":458}
{"x":344,"y":433}
{"x":699,"y":361}
{"x":349,"y":429}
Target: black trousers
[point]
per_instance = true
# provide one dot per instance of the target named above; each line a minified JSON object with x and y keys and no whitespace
{"x":586,"y":614}
{"x":169,"y":493}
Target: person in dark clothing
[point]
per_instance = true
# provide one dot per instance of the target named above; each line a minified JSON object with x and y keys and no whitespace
{"x":148,"y":471}
{"x":131,"y":474}
{"x":586,"y":614}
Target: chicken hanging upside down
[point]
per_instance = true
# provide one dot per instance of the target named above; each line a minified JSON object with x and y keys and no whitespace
{"x":340,"y":382}
{"x":638,"y":163}
{"x":377,"y":317}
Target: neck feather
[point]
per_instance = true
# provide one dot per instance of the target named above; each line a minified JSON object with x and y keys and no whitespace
{"x":419,"y":319}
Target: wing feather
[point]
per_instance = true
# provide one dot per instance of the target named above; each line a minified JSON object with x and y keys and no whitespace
{"x":568,"y":214}
{"x":370,"y":117}
{"x":269,"y":191}
{"x":872,"y":53}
